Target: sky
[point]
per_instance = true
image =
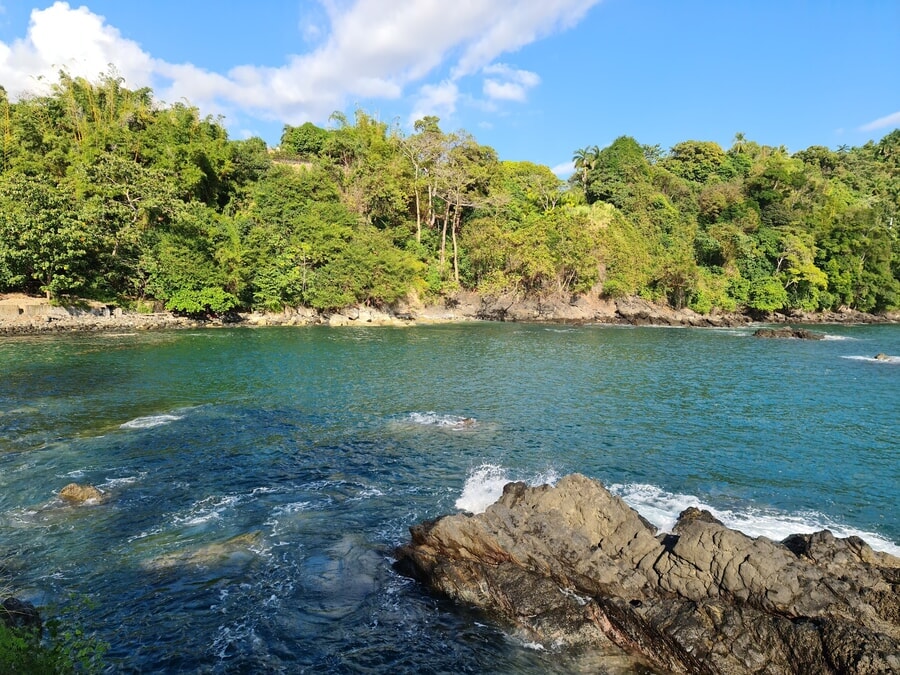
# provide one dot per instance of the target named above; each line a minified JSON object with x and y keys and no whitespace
{"x":535,"y":79}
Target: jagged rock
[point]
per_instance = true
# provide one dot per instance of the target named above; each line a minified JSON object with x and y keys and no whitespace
{"x":575,"y":565}
{"x":80,"y":494}
{"x":797,"y":333}
{"x":15,"y":613}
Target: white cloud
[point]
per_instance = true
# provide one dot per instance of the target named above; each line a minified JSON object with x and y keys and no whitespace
{"x":72,"y":39}
{"x":435,"y":99}
{"x":564,"y":170}
{"x":508,"y":84}
{"x":882,"y":122}
{"x":373,"y":49}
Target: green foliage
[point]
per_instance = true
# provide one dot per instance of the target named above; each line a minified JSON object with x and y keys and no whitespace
{"x":62,"y":651}
{"x":307,"y":140}
{"x":210,"y":301}
{"x":108,"y":194}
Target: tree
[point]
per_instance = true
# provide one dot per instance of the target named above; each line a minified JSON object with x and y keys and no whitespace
{"x":584,"y":160}
{"x":43,"y":246}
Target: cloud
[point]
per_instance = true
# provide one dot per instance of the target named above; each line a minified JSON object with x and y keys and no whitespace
{"x":564,"y":170}
{"x":435,"y":99}
{"x":882,"y":122}
{"x":72,"y":39}
{"x":508,"y":84}
{"x":364,"y":49}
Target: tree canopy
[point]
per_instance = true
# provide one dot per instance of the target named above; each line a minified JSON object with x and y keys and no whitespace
{"x":106,"y":193}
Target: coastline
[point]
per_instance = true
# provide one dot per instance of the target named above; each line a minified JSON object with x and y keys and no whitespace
{"x":25,"y":315}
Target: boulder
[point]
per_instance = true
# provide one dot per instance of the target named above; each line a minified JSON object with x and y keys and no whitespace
{"x":18,"y":614}
{"x":80,"y":494}
{"x":882,"y":357}
{"x":574,"y":565}
{"x":795,"y":333}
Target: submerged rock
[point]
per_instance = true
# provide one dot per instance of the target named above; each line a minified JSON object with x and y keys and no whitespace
{"x":882,"y":357}
{"x":239,"y":549}
{"x":81,"y":494}
{"x":575,"y":565}
{"x":796,"y":333}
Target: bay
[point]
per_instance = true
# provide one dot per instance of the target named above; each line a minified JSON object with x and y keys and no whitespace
{"x":258,"y":479}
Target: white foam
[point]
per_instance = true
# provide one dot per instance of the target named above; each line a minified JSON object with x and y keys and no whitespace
{"x":150,"y":421}
{"x":872,"y":359}
{"x":125,"y":480}
{"x":434,"y":419}
{"x":839,"y":338}
{"x":662,"y":509}
{"x":206,"y":510}
{"x":484,"y":485}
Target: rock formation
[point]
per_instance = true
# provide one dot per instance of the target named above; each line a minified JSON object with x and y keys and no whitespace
{"x":574,"y":565}
{"x":796,"y":333}
{"x":15,"y":613}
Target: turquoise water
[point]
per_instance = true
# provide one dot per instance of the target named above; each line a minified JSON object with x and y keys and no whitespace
{"x":258,"y":479}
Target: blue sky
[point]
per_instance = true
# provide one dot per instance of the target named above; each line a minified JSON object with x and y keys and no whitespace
{"x":535,"y":79}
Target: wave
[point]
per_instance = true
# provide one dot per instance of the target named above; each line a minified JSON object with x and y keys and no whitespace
{"x":206,"y":510}
{"x":443,"y":421}
{"x":662,"y":509}
{"x":150,"y":421}
{"x":871,"y":359}
{"x":484,"y":485}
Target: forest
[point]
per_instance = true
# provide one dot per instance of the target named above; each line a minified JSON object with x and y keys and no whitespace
{"x":107,"y":194}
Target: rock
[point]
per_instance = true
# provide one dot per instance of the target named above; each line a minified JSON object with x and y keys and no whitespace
{"x":574,"y":565}
{"x":882,"y":357}
{"x":236,"y":550}
{"x":81,"y":494}
{"x":797,"y":333}
{"x":15,"y":613}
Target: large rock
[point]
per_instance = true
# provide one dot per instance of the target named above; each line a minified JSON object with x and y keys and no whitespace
{"x":15,"y":613}
{"x":794,"y":333}
{"x":575,"y":565}
{"x":81,"y":494}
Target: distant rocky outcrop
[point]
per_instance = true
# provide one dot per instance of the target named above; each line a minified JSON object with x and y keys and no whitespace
{"x":575,"y":565}
{"x":80,"y":494}
{"x":788,"y":332}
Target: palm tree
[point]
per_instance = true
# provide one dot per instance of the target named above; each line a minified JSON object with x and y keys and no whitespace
{"x":585,"y":159}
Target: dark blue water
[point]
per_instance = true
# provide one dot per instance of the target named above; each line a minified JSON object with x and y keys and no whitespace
{"x":257,"y":480}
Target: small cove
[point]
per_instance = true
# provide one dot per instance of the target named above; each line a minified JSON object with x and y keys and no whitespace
{"x":259,"y":479}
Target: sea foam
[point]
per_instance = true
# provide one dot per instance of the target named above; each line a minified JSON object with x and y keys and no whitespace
{"x":484,"y":486}
{"x":443,"y":421}
{"x":150,"y":421}
{"x":871,"y":359}
{"x":662,"y":509}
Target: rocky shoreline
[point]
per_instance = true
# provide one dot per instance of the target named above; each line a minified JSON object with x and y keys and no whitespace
{"x":24,"y":315}
{"x":573,"y":566}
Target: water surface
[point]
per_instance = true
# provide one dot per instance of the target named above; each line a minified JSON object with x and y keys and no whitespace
{"x":259,"y":479}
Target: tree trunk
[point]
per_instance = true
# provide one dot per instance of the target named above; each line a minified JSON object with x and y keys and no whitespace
{"x":453,"y":230}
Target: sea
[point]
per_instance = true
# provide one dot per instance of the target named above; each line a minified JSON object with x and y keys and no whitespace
{"x":257,"y":481}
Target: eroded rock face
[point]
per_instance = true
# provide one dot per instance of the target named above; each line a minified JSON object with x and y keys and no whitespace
{"x":81,"y":494}
{"x":575,"y":565}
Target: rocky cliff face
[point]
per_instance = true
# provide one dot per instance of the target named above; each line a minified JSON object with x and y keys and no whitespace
{"x":574,"y":565}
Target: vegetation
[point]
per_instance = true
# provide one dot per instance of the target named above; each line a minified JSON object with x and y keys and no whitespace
{"x":106,"y":194}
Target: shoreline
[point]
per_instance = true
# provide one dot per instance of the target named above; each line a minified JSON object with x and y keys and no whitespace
{"x":24,"y":315}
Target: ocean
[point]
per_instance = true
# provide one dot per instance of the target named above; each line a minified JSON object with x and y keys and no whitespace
{"x":257,"y":480}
